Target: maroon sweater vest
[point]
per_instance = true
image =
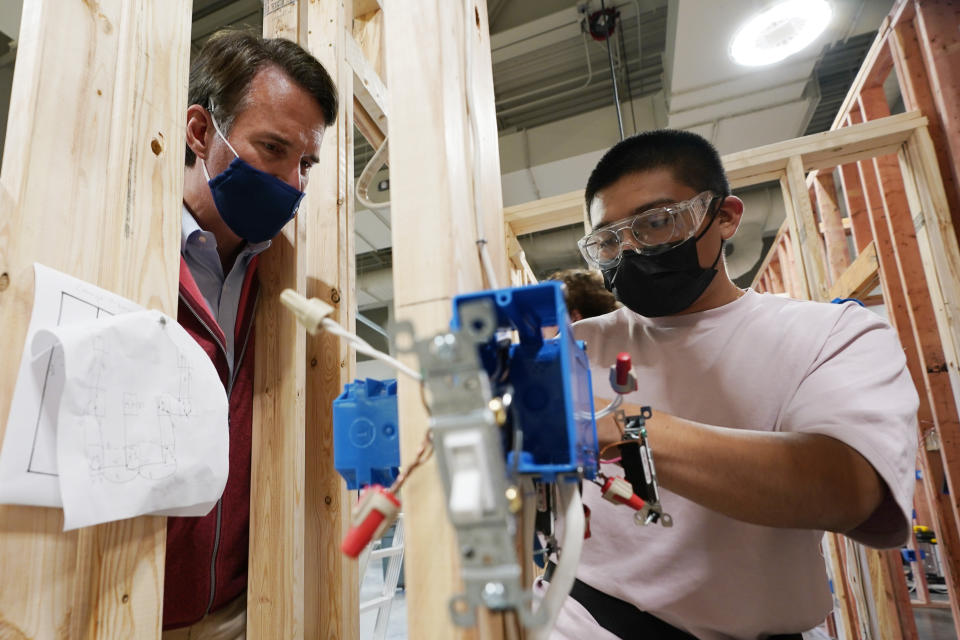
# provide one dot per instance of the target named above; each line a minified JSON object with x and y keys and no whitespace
{"x":206,"y":564}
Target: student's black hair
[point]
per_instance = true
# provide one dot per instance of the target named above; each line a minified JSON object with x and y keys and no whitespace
{"x":693,"y":160}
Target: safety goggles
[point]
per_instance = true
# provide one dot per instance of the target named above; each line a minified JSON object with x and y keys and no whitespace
{"x":649,"y":233}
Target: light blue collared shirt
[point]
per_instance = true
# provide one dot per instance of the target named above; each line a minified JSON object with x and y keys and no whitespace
{"x":222,"y":294}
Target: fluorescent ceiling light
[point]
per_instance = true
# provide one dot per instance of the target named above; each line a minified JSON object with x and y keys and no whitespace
{"x":780,"y":31}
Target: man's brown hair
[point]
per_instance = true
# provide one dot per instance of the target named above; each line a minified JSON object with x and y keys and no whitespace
{"x":221,"y":74}
{"x":585,"y":293}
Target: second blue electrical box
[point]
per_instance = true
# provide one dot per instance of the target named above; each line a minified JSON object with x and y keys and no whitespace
{"x":366,"y":445}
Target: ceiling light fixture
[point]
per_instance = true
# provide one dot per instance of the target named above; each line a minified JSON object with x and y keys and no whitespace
{"x":780,"y":31}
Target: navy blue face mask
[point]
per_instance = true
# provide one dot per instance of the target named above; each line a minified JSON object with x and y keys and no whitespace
{"x":255,"y":205}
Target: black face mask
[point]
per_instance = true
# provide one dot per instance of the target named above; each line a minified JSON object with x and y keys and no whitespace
{"x":662,"y":284}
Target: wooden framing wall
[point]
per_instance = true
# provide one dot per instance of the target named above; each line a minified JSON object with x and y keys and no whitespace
{"x":903,"y":240}
{"x":93,"y":187}
{"x":300,"y":585}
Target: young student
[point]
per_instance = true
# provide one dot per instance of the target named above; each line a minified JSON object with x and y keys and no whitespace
{"x":774,"y":420}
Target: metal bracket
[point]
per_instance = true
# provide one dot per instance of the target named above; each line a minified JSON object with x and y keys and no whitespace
{"x":652,"y":511}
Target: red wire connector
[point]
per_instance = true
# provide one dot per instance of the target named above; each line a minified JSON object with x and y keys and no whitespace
{"x":586,"y":522}
{"x":619,"y":491}
{"x":621,"y":375}
{"x":373,"y":514}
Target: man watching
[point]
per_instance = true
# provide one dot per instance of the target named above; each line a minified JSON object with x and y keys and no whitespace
{"x":257,"y":112}
{"x":773,"y":419}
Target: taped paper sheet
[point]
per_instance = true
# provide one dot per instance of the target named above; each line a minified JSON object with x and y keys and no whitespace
{"x":116,"y":412}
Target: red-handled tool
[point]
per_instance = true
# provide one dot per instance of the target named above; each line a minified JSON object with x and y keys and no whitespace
{"x":373,"y":514}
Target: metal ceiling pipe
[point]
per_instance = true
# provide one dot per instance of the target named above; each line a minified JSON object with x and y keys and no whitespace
{"x":613,"y":76}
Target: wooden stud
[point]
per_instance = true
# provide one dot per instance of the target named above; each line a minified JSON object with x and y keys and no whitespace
{"x":546,"y":213}
{"x":331,"y":583}
{"x":834,"y":237}
{"x":915,"y":87}
{"x":937,"y":243}
{"x":888,"y":588}
{"x":114,"y":155}
{"x":276,"y":557}
{"x":860,"y":278}
{"x":847,"y":620}
{"x":366,"y":7}
{"x":924,"y":516}
{"x":856,"y":208}
{"x":776,"y":282}
{"x":368,"y":32}
{"x":823,"y":150}
{"x":936,"y":25}
{"x":299,"y":583}
{"x":870,"y":74}
{"x":789,"y":269}
{"x":784,"y":268}
{"x":442,"y":163}
{"x":366,"y":125}
{"x":772,"y":252}
{"x":853,"y":571}
{"x":806,"y":238}
{"x":520,"y":271}
{"x":368,"y":88}
{"x":904,"y":295}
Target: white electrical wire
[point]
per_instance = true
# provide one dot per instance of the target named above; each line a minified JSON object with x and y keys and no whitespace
{"x":362,"y":346}
{"x":574,"y":525}
{"x":607,"y":410}
{"x":610,"y":408}
{"x":485,"y":260}
{"x":376,"y":161}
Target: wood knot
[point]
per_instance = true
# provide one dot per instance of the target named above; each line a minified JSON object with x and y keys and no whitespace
{"x":334,"y":296}
{"x":156,"y":147}
{"x":125,"y":599}
{"x":4,"y":281}
{"x":476,"y":15}
{"x":328,"y":501}
{"x":313,"y":362}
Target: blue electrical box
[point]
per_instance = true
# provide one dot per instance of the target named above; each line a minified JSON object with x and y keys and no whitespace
{"x":548,"y":380}
{"x":366,"y":441}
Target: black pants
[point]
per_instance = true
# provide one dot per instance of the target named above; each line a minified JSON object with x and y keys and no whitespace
{"x":624,"y":620}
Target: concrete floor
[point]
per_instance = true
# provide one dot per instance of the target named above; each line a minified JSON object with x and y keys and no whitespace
{"x":934,"y":624}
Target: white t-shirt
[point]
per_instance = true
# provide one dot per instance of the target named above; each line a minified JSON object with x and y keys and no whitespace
{"x":765,"y":363}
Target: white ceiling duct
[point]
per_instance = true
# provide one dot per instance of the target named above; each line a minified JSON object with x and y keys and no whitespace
{"x":744,"y":249}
